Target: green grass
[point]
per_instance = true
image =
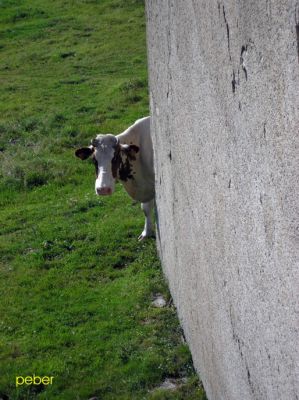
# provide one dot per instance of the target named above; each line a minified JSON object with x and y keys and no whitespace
{"x":76,"y":286}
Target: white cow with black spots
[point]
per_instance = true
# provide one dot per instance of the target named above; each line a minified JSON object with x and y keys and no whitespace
{"x":127,"y":157}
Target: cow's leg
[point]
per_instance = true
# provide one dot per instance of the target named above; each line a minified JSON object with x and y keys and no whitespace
{"x":148,"y":226}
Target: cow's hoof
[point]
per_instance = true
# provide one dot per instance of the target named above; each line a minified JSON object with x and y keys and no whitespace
{"x":142,"y":237}
{"x":145,"y":235}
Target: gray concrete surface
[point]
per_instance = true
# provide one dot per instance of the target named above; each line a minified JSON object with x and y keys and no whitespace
{"x":224,"y":88}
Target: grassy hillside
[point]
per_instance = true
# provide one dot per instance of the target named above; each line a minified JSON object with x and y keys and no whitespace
{"x":76,"y":287}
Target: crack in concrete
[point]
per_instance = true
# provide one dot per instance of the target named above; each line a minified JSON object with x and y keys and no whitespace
{"x":227,"y":32}
{"x":242,"y":60}
{"x":234,"y":82}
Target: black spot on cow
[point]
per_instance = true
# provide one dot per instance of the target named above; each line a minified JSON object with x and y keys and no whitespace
{"x":121,"y":166}
{"x":125,"y":170}
{"x":115,"y":163}
{"x":96,"y":166}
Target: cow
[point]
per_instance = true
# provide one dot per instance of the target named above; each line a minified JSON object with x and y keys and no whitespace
{"x":128,"y":158}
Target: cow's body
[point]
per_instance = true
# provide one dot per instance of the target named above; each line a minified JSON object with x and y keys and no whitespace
{"x":142,"y":187}
{"x":127,"y":157}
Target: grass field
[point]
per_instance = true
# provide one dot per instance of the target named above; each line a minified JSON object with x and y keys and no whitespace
{"x":76,"y":286}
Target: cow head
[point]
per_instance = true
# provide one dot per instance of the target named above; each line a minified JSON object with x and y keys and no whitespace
{"x":111,"y":160}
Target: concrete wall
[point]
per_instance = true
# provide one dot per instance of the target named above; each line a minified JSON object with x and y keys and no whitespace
{"x":224,"y":86}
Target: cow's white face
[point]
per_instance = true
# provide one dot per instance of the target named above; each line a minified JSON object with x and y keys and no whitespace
{"x":104,"y":151}
{"x":108,"y":157}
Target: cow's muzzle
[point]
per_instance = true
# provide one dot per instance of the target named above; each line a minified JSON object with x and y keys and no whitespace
{"x":104,"y":191}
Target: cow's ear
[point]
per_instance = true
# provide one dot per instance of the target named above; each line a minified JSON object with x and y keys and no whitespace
{"x":130,"y":149}
{"x":84,"y":152}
